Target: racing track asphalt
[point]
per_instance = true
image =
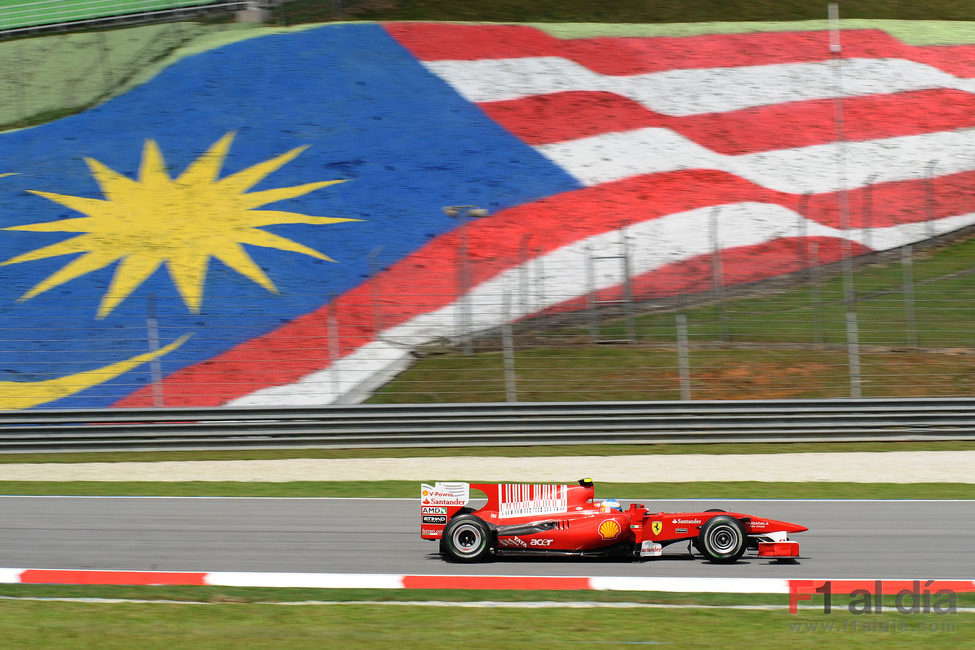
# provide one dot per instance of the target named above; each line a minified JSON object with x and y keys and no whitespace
{"x":847,"y":539}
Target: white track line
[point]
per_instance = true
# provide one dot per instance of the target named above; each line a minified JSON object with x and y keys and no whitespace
{"x":482,"y":604}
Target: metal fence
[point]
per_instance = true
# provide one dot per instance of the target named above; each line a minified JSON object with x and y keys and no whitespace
{"x":896,"y":324}
{"x":906,"y":333}
{"x":462,"y":425}
{"x":43,"y":16}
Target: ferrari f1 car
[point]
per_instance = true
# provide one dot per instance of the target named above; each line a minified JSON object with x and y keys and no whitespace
{"x":567,"y":520}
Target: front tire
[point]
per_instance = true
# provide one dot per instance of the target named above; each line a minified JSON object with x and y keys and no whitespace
{"x":466,"y":538}
{"x":722,"y":539}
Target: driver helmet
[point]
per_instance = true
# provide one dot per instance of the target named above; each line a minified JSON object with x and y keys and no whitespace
{"x":608,"y":505}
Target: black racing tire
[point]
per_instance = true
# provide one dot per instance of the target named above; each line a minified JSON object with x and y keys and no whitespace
{"x":466,"y":538}
{"x":697,"y":540}
{"x":722,"y":539}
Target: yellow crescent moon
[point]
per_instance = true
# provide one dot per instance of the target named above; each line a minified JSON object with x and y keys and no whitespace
{"x":25,"y":394}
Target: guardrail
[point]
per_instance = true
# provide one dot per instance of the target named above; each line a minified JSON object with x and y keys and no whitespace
{"x":491,"y":424}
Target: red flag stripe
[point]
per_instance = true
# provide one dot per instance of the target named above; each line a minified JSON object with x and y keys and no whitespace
{"x":637,"y":55}
{"x":427,"y":279}
{"x":544,"y":119}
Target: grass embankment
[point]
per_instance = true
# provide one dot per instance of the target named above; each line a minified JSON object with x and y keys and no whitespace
{"x":31,"y":624}
{"x":778,"y":344}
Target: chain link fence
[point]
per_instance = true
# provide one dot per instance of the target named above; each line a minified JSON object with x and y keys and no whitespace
{"x":610,"y":318}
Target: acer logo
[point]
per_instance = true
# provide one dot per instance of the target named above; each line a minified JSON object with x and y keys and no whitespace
{"x":541,"y":542}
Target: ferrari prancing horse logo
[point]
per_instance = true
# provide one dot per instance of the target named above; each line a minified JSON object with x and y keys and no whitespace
{"x":655,"y":526}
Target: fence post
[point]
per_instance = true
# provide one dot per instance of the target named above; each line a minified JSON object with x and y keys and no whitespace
{"x":929,"y":211}
{"x":907,"y":266}
{"x":155,"y":366}
{"x":628,"y":308}
{"x":377,"y":312}
{"x":852,"y":331}
{"x":18,"y":80}
{"x":868,"y":211}
{"x":106,"y":65}
{"x":540,"y":286}
{"x":333,"y":351}
{"x":463,"y":289}
{"x":508,"y":352}
{"x":591,"y":295}
{"x":815,"y":293}
{"x":523,"y":279}
{"x":717,"y":273}
{"x":465,"y":213}
{"x":683,"y":358}
{"x":853,"y":351}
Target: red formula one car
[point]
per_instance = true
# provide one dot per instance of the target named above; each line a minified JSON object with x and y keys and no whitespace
{"x":565,"y":520}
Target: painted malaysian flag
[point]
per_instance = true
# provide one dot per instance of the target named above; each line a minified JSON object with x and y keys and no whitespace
{"x":262,"y":224}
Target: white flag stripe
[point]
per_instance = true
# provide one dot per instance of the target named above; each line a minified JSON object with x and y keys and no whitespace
{"x":691,"y":92}
{"x":614,"y":156}
{"x":674,"y":238}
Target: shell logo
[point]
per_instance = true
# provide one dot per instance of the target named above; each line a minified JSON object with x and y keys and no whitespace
{"x":609,"y":529}
{"x":426,"y":493}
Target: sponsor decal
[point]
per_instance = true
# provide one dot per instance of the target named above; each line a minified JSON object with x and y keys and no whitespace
{"x":444,"y":494}
{"x":681,"y":530}
{"x":434,"y":519}
{"x":651,"y":549}
{"x":609,"y":529}
{"x":429,"y":531}
{"x":512,"y":542}
{"x":656,"y":526}
{"x":520,"y":499}
{"x":541,"y":542}
{"x":685,"y":521}
{"x":759,"y":524}
{"x":436,"y":510}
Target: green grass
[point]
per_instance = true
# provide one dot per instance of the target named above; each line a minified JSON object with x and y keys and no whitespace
{"x":410,"y":489}
{"x":505,"y":452}
{"x":30,"y":624}
{"x":47,"y":78}
{"x":289,"y":595}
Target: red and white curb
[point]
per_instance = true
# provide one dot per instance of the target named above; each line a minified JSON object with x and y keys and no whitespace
{"x":398,"y":581}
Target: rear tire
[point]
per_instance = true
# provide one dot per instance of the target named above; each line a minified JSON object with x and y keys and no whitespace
{"x":722,"y":539}
{"x":466,"y":538}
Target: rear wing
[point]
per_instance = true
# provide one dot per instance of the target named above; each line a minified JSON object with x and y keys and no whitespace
{"x":438,"y":503}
